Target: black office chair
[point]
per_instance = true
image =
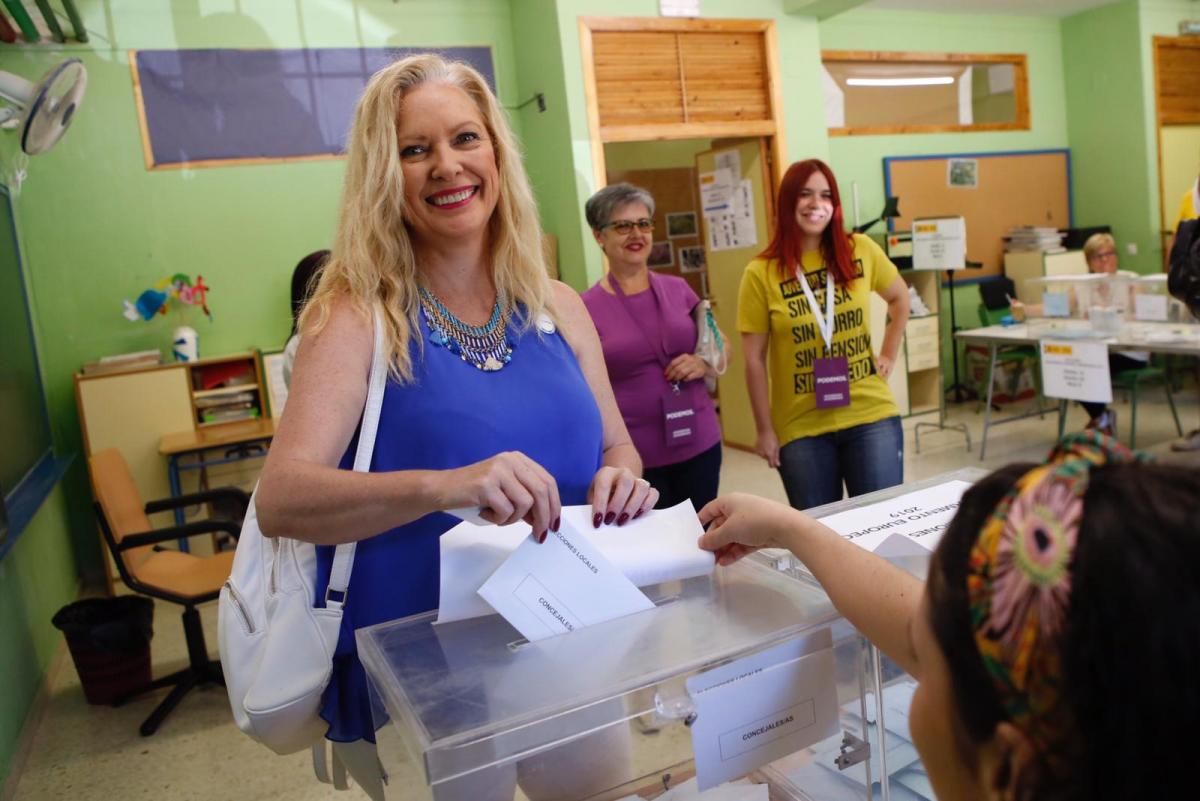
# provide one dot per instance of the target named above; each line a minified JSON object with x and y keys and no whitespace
{"x":171,"y":575}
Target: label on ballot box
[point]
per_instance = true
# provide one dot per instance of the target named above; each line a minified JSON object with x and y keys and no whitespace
{"x":755,"y":710}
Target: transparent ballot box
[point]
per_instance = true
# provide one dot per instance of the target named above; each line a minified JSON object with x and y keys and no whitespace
{"x":470,"y":711}
{"x":1082,"y":305}
{"x":894,"y":772}
{"x":1153,"y":303}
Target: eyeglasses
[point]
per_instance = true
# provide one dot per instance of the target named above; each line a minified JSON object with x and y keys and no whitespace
{"x":1105,"y":254}
{"x":623,"y":227}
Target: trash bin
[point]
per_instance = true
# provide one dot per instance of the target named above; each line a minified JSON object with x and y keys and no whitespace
{"x":109,"y":640}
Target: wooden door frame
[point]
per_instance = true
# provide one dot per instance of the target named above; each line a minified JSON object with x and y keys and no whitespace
{"x":772,"y":130}
{"x":1159,"y":42}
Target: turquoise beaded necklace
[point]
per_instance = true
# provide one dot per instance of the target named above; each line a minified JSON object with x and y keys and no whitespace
{"x":486,"y":346}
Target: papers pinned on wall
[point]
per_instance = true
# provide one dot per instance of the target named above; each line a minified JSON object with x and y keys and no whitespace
{"x":727,"y":202}
{"x":939,"y":243}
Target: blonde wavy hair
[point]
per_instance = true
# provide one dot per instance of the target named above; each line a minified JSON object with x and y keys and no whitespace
{"x":373,"y":262}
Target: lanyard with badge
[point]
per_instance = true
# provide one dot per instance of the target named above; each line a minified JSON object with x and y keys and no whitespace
{"x":679,"y":413}
{"x":831,"y":374}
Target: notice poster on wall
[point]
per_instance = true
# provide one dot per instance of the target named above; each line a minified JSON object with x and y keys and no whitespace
{"x":939,"y":243}
{"x":728,"y":208}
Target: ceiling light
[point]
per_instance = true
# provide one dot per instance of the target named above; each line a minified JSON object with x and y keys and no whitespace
{"x":935,"y":80}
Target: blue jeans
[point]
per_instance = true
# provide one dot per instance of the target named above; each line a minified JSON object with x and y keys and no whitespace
{"x":866,"y":458}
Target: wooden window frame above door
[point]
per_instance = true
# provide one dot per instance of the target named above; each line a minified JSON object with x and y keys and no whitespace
{"x":1020,"y":88}
{"x":771,"y":129}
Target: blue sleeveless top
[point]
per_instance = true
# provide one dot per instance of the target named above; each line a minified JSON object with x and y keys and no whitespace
{"x":452,"y":415}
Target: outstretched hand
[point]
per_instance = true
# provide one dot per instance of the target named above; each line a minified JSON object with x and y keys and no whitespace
{"x":739,"y":524}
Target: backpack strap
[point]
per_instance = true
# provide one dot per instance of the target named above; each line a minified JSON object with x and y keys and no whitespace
{"x":343,"y":557}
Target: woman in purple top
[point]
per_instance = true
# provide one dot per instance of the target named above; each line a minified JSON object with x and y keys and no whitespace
{"x":648,"y":333}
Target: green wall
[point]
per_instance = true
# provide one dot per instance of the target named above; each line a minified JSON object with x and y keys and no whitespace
{"x":623,"y":156}
{"x":36,"y":578}
{"x":1108,"y":139}
{"x":859,"y":159}
{"x":1109,"y":55}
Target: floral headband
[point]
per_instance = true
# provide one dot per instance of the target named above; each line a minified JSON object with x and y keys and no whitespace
{"x":1019,"y":582}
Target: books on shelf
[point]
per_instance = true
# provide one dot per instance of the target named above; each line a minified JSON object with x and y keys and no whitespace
{"x":229,"y":412}
{"x":1032,"y":237}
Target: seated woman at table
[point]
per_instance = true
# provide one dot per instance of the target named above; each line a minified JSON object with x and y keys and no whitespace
{"x":1055,"y":640}
{"x":497,"y":398}
{"x":1100,"y":250}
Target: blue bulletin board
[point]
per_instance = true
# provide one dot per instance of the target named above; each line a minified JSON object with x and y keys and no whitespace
{"x":222,"y":107}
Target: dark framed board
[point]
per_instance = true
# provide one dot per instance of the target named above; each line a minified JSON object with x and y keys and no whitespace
{"x":225,"y":107}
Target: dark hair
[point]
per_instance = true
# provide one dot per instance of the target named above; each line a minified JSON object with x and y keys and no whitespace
{"x":787,"y":244}
{"x":1131,"y":647}
{"x":304,"y":281}
{"x":1183,"y":278}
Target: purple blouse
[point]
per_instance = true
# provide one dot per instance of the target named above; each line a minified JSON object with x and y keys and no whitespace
{"x":635,"y":372}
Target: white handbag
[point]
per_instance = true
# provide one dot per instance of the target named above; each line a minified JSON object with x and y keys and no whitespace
{"x":276,"y":646}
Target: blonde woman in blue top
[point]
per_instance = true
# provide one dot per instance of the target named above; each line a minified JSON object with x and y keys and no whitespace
{"x":498,"y":397}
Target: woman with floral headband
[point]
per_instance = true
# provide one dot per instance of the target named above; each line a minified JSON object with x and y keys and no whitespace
{"x":1057,"y":642}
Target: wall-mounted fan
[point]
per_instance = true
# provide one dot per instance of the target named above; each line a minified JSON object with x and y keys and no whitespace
{"x":42,"y":111}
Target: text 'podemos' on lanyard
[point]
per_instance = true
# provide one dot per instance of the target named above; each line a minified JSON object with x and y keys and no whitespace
{"x":831,"y":375}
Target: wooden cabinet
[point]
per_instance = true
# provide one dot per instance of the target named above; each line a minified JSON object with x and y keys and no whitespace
{"x":916,"y":379}
{"x":132,"y":410}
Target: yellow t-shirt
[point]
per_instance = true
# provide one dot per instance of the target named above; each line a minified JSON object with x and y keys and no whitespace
{"x":1187,"y":206}
{"x":769,"y":304}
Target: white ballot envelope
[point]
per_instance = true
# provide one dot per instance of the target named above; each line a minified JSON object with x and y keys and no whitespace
{"x":559,"y":586}
{"x":659,"y":546}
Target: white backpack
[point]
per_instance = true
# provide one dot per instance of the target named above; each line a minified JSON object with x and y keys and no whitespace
{"x":276,"y":647}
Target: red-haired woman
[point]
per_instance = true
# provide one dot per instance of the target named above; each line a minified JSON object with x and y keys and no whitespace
{"x":804,"y":313}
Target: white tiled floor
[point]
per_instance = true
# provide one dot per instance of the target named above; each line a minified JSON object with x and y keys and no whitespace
{"x":88,"y":753}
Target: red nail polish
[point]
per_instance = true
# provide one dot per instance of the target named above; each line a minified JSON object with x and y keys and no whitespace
{"x":637,"y":514}
{"x":608,"y":518}
{"x":556,"y":525}
{"x":621,"y":520}
{"x":596,"y":520}
{"x":541,"y":538}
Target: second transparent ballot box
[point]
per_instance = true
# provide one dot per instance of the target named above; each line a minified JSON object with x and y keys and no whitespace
{"x":470,"y":711}
{"x":1083,"y":305}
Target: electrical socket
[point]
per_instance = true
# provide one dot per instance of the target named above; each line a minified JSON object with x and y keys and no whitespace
{"x":1131,"y":248}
